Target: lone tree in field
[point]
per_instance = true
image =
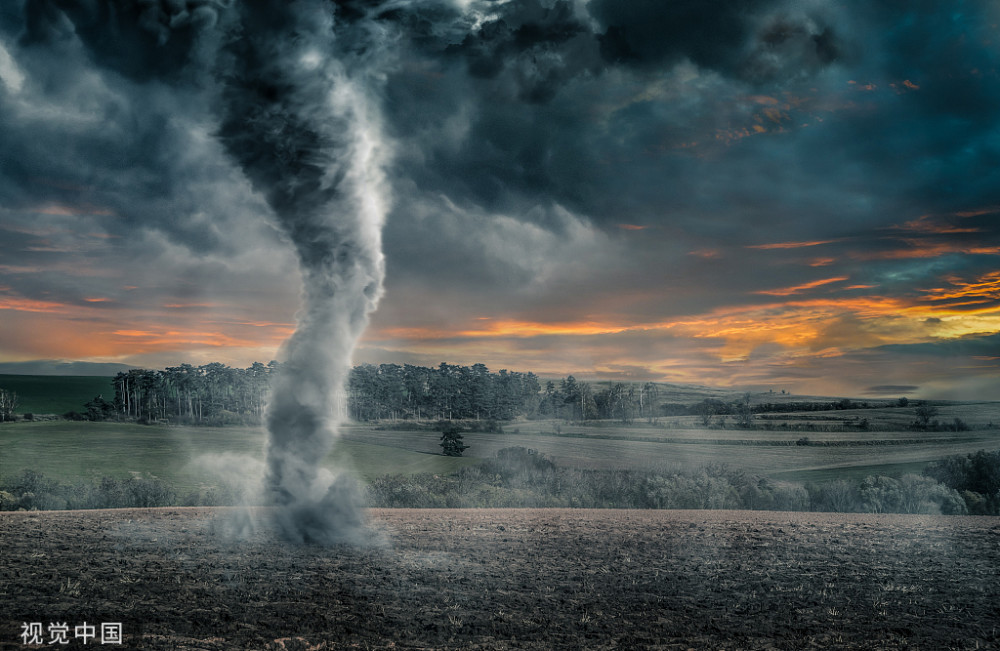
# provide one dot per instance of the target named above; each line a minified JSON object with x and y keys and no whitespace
{"x":451,"y":442}
{"x":705,"y":410}
{"x":925,"y":413}
{"x":744,"y":412}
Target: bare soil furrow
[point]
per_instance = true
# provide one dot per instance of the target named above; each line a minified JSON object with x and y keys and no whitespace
{"x":517,"y":578}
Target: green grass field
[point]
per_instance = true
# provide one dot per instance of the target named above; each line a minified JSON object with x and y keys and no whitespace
{"x":47,"y":394}
{"x":756,"y":451}
{"x":187,"y":458}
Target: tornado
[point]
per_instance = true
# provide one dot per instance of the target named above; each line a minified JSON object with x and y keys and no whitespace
{"x":299,"y":117}
{"x":290,"y":90}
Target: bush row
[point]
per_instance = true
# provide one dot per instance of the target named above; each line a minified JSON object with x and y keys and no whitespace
{"x":33,"y":491}
{"x":523,"y":479}
{"x":518,"y":477}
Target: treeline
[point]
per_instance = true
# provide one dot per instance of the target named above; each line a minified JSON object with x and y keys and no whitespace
{"x":216,"y":394}
{"x":715,"y":407}
{"x":213,"y":394}
{"x":447,"y":392}
{"x":450,"y":392}
{"x":843,"y":403}
{"x":573,"y":400}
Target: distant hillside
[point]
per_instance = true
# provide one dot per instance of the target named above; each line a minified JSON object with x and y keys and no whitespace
{"x":62,"y":367}
{"x":55,"y":394}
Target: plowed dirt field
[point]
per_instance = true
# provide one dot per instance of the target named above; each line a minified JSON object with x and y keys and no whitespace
{"x":504,"y":579}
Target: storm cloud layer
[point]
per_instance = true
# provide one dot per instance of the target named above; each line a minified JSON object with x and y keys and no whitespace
{"x":766,"y":193}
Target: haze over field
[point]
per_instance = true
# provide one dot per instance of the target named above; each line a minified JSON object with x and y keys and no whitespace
{"x":798,"y":195}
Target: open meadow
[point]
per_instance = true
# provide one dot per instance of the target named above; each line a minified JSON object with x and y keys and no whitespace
{"x":829,"y":455}
{"x":502,"y":579}
{"x":185,"y":458}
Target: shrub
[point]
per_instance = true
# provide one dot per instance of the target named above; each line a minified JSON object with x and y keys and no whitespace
{"x":744,"y":412}
{"x":492,"y":426}
{"x":909,"y":494}
{"x":99,"y":409}
{"x":790,"y":497}
{"x":975,"y":477}
{"x":451,"y":442}
{"x":879,"y":494}
{"x":924,"y":495}
{"x":33,"y":491}
{"x":839,"y":496}
{"x":925,"y":413}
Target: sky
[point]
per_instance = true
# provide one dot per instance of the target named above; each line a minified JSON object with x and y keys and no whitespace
{"x":759,"y":194}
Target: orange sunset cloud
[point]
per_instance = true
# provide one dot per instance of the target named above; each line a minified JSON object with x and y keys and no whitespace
{"x":798,"y":289}
{"x":790,"y":245}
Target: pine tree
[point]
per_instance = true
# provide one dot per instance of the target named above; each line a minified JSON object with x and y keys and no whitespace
{"x":451,"y":442}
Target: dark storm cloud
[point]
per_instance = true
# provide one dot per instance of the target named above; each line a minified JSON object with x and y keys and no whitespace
{"x":530,"y":106}
{"x":613,"y":137}
{"x":526,"y":138}
{"x":758,"y":40}
{"x":536,"y":46}
{"x":542,"y":45}
{"x":142,"y":40}
{"x":116,"y":118}
{"x":557,"y":102}
{"x":925,"y":132}
{"x":92,"y":140}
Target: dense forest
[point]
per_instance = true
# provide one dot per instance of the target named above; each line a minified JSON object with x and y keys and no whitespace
{"x":218,"y":394}
{"x":447,"y":392}
{"x":209,"y":394}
